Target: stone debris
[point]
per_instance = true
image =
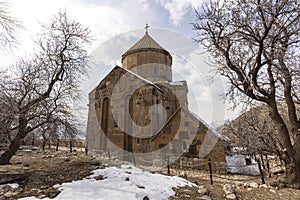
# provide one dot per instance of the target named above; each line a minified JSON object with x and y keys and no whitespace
{"x":229,"y":191}
{"x":263,"y":186}
{"x":253,"y":185}
{"x":10,"y":194}
{"x":188,"y":191}
{"x":10,"y":173}
{"x":273,"y":191}
{"x":239,"y":185}
{"x":230,"y":196}
{"x":197,"y":193}
{"x":202,"y":191}
{"x":205,"y":197}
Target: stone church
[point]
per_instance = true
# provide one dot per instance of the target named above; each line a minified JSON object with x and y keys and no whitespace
{"x":139,"y":113}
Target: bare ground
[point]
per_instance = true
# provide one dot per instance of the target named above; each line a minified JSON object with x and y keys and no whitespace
{"x":50,"y":167}
{"x":241,"y":184}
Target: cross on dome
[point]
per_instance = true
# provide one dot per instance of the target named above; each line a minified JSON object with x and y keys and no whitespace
{"x":146,"y":27}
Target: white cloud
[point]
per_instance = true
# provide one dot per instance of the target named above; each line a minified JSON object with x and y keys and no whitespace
{"x":178,"y":8}
{"x":109,"y":18}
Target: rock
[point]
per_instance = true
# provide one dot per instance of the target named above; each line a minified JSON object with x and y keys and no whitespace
{"x":238,"y":184}
{"x":231,"y":196}
{"x":185,"y":196}
{"x":18,"y":190}
{"x":253,"y":185}
{"x":5,"y":188}
{"x":10,"y":194}
{"x":205,"y":197}
{"x":146,"y":198}
{"x":263,"y":186}
{"x":201,"y":186}
{"x":202,"y":191}
{"x":274,"y":183}
{"x":42,"y":196}
{"x":295,"y":186}
{"x":281,"y":185}
{"x":44,"y":187}
{"x":51,"y":192}
{"x":227,"y":188}
{"x":273,"y":191}
{"x":188,"y":191}
{"x":141,"y":187}
{"x":229,"y":191}
{"x":99,"y":178}
{"x":277,"y":170}
{"x":127,"y":179}
{"x":36,"y":191}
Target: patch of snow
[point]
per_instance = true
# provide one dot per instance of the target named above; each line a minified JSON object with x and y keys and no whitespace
{"x":13,"y":185}
{"x":127,"y":182}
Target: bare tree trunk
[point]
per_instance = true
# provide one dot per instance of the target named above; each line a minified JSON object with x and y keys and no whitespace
{"x":296,"y":175}
{"x":291,"y":154}
{"x":15,"y":143}
{"x":12,"y":149}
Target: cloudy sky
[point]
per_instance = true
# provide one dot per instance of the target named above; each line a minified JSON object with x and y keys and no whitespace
{"x":116,"y":25}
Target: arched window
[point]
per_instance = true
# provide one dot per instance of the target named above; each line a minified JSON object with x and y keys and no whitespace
{"x":155,"y":71}
{"x":184,"y":145}
{"x":116,"y":120}
{"x":105,"y":114}
{"x":104,"y":122}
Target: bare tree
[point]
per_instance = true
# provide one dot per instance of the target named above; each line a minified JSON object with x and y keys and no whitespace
{"x":42,"y":90}
{"x":8,"y":26}
{"x":253,"y":132}
{"x":255,"y":45}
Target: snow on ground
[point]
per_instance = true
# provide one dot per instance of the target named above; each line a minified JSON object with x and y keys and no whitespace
{"x":127,"y":182}
{"x":13,"y":185}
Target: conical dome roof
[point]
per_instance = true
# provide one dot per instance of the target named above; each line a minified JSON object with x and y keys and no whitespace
{"x":146,"y":51}
{"x":145,"y":43}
